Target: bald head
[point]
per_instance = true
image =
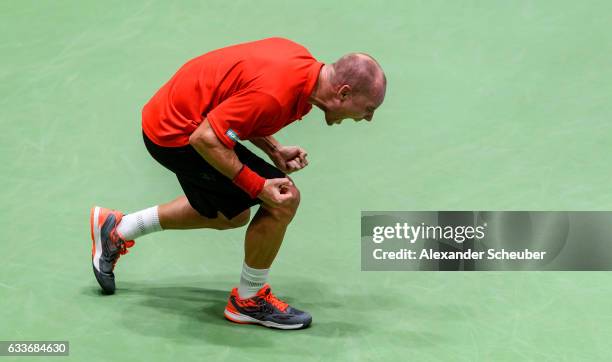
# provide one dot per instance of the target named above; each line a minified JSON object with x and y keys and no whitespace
{"x":361,"y":72}
{"x":352,"y":87}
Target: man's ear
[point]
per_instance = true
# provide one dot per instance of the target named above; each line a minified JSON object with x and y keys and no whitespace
{"x":344,"y":92}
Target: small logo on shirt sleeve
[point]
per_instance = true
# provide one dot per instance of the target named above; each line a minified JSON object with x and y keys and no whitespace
{"x":232,"y":135}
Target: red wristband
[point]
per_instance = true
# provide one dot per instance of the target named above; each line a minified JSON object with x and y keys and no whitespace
{"x":249,"y":181}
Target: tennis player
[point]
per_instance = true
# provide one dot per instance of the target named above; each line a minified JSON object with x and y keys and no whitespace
{"x":194,"y":126}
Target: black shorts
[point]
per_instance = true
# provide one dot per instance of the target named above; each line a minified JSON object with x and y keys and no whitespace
{"x":208,"y":190}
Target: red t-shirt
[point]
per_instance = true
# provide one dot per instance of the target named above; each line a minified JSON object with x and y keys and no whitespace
{"x":247,"y":90}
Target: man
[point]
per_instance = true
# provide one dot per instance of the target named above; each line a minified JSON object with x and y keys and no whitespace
{"x":192,"y":126}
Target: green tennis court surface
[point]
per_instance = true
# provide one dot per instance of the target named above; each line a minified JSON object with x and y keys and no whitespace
{"x":491,"y":105}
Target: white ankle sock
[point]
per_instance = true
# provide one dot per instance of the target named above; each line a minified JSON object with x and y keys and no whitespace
{"x":251,"y":280}
{"x":139,"y":223}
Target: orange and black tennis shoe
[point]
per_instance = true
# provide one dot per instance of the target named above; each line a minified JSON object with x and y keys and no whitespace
{"x":107,"y":245}
{"x":266,"y":309}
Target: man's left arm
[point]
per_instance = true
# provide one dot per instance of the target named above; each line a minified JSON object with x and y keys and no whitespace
{"x":287,"y":158}
{"x":267,"y":144}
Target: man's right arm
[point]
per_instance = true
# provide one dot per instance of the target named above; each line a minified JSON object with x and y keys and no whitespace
{"x":207,"y":144}
{"x":205,"y":141}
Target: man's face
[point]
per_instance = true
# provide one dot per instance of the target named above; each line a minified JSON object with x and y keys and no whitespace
{"x":352,"y":105}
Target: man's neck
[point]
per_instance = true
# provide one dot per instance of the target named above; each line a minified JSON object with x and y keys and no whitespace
{"x":322,"y":88}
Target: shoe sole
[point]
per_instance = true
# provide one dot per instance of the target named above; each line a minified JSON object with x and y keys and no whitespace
{"x":105,"y":281}
{"x":245,"y":319}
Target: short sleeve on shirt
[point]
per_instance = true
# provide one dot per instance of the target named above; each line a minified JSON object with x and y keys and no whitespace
{"x":237,"y":116}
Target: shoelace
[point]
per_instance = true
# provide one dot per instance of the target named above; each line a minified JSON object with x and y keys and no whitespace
{"x":272,"y":299}
{"x":123,"y":249}
{"x":123,"y":245}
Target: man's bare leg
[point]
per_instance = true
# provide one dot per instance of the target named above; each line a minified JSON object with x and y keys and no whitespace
{"x":265,"y":233}
{"x":263,"y":238}
{"x":178,"y":214}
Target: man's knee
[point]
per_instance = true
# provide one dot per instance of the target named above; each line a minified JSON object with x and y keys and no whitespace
{"x":287,"y":211}
{"x":294,"y":201}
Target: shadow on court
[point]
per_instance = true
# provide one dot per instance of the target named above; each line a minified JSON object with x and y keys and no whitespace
{"x":194,"y":315}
